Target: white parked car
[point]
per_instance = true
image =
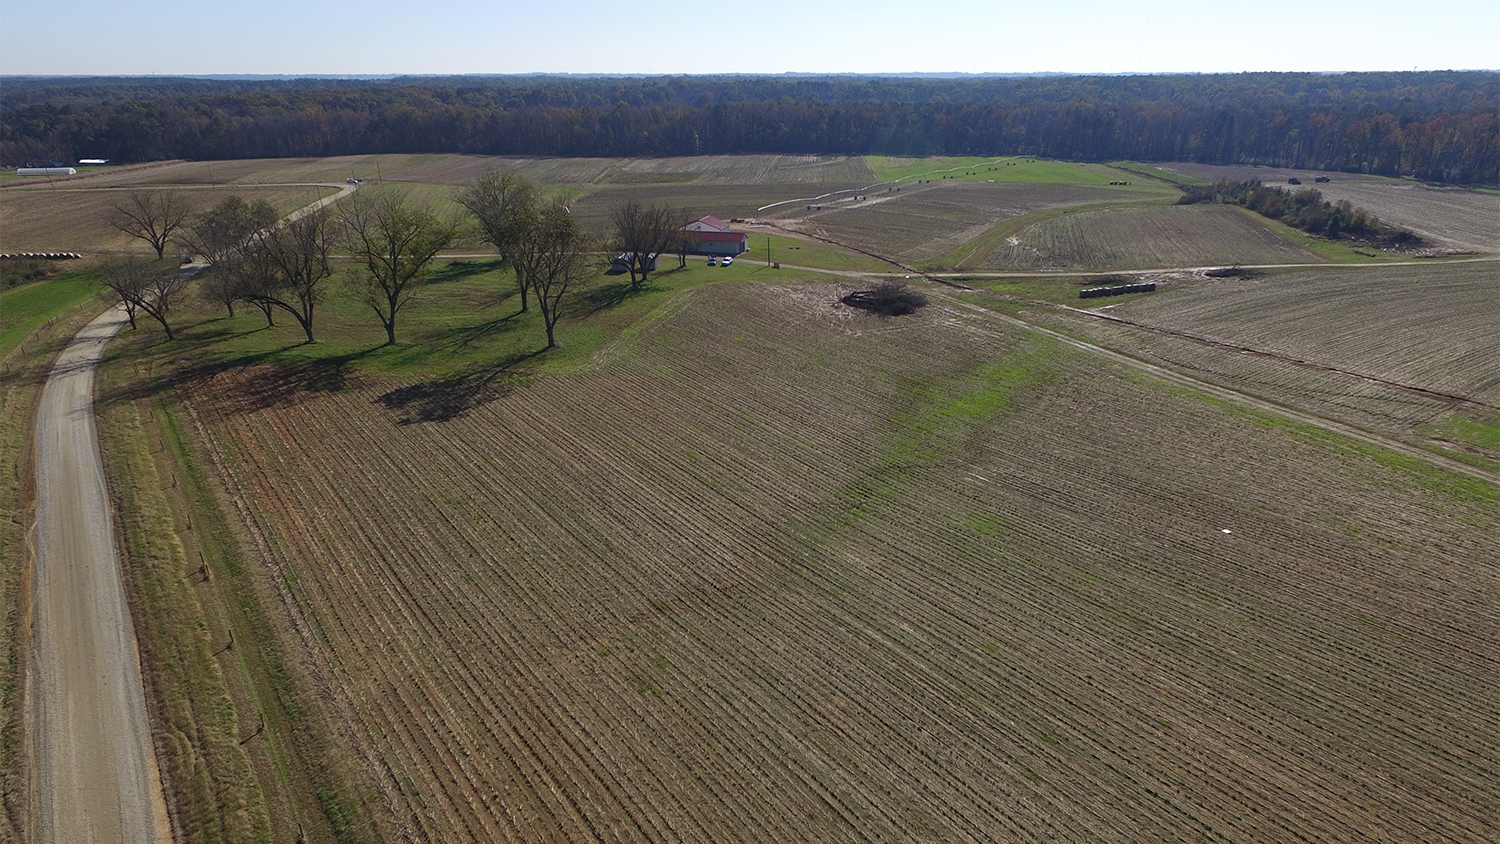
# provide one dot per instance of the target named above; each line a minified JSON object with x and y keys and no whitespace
{"x":728,"y":260}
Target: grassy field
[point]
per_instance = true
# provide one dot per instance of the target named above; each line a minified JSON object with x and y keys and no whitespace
{"x":1157,"y":172}
{"x":834,"y":576}
{"x":1003,"y":169}
{"x":26,"y":308}
{"x":739,"y":563}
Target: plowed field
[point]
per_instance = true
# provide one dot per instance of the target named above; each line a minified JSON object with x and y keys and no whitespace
{"x":773,"y":571}
{"x":1140,"y":237}
{"x":78,"y":220}
{"x":923,"y":222}
{"x":1392,"y":349}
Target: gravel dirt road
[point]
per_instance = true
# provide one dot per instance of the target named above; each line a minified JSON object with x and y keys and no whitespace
{"x":93,"y":774}
{"x":94,"y":777}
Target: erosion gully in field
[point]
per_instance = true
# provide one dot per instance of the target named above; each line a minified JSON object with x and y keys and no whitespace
{"x":772,"y":570}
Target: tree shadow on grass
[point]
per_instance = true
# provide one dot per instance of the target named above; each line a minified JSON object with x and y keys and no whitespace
{"x":602,"y":297}
{"x":445,"y":399}
{"x":461,"y":337}
{"x":459,"y":269}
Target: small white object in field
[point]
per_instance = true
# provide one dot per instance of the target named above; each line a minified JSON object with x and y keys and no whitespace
{"x":1224,"y":530}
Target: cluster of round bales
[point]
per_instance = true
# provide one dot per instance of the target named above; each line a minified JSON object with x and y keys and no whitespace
{"x":1096,"y":292}
{"x":38,"y":256}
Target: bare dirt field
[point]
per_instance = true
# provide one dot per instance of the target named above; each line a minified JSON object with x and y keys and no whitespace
{"x":923,"y":222}
{"x":77,"y":220}
{"x":1455,"y":217}
{"x":725,"y":201}
{"x":1141,"y":237}
{"x":770,"y":570}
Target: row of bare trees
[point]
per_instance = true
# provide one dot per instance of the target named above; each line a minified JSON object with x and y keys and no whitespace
{"x":537,"y":238}
{"x":277,"y":266}
{"x":284,"y":267}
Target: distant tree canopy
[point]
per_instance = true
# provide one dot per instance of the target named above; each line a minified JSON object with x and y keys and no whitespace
{"x":1441,"y":125}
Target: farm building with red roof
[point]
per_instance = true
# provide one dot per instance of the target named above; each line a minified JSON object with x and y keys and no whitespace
{"x":718,"y":242}
{"x":707,"y":223}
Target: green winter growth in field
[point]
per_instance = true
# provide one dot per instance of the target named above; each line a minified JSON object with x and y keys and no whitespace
{"x":935,"y":419}
{"x":1001,"y":169}
{"x":1473,"y":437}
{"x":24,"y":308}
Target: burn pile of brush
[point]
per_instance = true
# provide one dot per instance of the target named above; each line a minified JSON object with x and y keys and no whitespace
{"x":889,"y":298}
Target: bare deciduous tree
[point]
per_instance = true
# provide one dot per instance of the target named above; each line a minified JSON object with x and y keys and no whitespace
{"x":150,"y":215}
{"x":555,"y":256}
{"x":144,"y":286}
{"x":284,"y":267}
{"x":395,"y":242}
{"x":220,"y":233}
{"x":641,"y":234}
{"x":220,"y":237}
{"x":682,"y":239}
{"x":502,"y":205}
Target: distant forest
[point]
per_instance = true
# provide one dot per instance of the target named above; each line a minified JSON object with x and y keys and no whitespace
{"x":1441,"y":126}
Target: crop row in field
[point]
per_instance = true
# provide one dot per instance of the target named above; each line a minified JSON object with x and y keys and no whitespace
{"x":1432,"y":325}
{"x":773,"y":570}
{"x":1141,"y":237}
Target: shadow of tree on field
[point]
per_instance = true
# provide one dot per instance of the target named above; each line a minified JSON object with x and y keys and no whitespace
{"x":445,"y":399}
{"x":461,"y":336}
{"x":265,"y":382}
{"x":602,"y":297}
{"x":459,"y":269}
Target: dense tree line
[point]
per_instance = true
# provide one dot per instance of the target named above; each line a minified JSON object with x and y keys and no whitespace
{"x":1304,"y":209}
{"x":1443,"y":126}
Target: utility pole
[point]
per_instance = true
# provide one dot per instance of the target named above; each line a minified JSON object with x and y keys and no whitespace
{"x":768,"y":250}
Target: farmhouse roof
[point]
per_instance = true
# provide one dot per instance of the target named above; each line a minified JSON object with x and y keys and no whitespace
{"x":708,"y":221}
{"x":724,"y":236}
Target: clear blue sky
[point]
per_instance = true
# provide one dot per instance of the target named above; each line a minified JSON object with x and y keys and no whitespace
{"x":768,"y":36}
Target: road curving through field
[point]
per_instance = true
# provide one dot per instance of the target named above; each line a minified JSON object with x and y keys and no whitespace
{"x":93,"y":773}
